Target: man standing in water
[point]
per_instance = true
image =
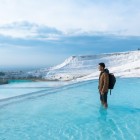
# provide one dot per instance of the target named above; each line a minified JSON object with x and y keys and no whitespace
{"x":103,"y":84}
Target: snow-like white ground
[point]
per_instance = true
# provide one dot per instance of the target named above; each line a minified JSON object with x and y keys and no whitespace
{"x":80,"y":68}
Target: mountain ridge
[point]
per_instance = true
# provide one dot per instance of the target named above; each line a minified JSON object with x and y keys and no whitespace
{"x":76,"y":67}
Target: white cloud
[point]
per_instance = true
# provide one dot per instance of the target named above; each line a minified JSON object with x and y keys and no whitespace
{"x":25,"y":29}
{"x":121,"y":16}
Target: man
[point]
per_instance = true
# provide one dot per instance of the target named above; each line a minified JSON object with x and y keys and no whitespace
{"x":103,"y":84}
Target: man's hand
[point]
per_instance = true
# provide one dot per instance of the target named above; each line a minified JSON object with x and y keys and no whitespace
{"x":102,"y":93}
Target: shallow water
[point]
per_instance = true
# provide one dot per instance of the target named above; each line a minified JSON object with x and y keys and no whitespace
{"x":75,"y":113}
{"x":21,"y":87}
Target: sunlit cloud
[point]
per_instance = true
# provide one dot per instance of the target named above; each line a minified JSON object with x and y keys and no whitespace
{"x":120,"y":17}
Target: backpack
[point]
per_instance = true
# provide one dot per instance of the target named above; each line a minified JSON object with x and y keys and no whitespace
{"x":112,"y":81}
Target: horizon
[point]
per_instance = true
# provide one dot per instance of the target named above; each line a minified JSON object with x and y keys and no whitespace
{"x":4,"y":68}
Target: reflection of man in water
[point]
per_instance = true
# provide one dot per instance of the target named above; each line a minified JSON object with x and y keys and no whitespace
{"x":103,"y":84}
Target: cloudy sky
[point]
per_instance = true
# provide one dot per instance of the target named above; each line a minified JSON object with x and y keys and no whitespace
{"x":45,"y":32}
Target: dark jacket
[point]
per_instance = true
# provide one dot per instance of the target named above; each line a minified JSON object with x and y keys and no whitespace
{"x":104,"y":81}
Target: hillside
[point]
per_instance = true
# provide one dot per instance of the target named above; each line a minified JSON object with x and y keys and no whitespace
{"x":122,"y":64}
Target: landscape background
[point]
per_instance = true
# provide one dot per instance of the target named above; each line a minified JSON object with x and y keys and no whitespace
{"x":44,"y":33}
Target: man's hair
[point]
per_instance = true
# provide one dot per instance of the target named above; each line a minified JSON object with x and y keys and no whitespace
{"x":102,"y":65}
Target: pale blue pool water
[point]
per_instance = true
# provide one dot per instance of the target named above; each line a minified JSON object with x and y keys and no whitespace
{"x":75,"y":113}
{"x":22,"y":87}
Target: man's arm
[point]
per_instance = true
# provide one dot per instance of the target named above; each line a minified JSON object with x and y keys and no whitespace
{"x":106,"y":83}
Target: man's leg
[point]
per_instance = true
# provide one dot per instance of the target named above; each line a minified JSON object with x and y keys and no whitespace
{"x":104,"y":97}
{"x":101,"y":99}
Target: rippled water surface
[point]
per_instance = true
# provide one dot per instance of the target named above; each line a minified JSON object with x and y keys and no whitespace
{"x":74,"y":113}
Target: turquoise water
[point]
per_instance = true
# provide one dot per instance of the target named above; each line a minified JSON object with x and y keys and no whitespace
{"x":75,"y":113}
{"x":19,"y":81}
